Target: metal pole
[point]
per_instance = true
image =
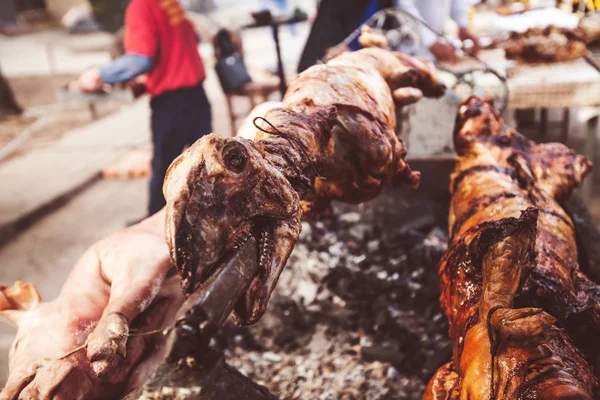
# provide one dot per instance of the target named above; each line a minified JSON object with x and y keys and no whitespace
{"x":280,"y":71}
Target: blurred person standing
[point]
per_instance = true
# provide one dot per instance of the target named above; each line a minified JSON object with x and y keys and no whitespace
{"x":162,"y":43}
{"x":334,"y":22}
{"x":435,"y":13}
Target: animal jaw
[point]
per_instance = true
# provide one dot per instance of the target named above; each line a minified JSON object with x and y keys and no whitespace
{"x":219,"y":193}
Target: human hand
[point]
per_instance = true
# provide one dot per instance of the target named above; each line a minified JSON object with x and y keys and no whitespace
{"x":465,"y":34}
{"x":444,"y":52}
{"x":80,"y":346}
{"x":90,"y":81}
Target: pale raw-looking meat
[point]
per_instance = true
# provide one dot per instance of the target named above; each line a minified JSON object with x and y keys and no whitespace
{"x":113,"y":283}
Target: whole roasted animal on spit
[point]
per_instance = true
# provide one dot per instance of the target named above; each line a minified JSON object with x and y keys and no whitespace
{"x":333,"y":139}
{"x":555,"y":44}
{"x":524,"y":319}
{"x":546,"y":45}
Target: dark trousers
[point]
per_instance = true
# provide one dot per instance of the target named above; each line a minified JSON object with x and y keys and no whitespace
{"x":179,"y":118}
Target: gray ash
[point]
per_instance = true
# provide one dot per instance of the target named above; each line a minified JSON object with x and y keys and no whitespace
{"x":356,"y":312}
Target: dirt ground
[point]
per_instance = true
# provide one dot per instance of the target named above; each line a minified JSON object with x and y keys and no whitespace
{"x":38,"y":95}
{"x":32,"y":91}
{"x":12,"y":126}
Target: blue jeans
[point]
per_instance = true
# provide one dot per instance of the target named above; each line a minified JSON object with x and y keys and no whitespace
{"x":179,"y":118}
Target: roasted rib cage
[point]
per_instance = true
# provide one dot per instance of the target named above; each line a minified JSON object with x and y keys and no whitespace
{"x":523,"y":319}
{"x":544,"y":45}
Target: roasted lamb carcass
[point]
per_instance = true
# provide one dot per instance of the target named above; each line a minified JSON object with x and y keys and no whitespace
{"x":545,"y":45}
{"x":333,"y":138}
{"x":522,"y":316}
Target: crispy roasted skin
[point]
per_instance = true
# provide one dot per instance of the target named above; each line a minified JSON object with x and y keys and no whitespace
{"x":511,"y":269}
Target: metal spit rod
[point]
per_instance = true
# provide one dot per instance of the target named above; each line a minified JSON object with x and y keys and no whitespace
{"x":207,"y":308}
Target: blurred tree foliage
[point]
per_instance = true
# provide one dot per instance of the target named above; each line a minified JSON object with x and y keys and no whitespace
{"x":110,"y":14}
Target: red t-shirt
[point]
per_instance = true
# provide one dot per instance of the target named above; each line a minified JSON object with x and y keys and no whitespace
{"x":160,"y":30}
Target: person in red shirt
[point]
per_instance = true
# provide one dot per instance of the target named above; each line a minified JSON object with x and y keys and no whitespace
{"x":161,"y":42}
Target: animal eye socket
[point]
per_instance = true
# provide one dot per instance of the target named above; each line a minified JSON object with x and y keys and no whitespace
{"x":235,"y":161}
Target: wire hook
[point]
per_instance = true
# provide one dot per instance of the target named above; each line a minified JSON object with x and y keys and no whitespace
{"x":289,"y":138}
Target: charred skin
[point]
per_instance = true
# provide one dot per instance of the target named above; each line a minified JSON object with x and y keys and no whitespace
{"x":504,"y":222}
{"x":499,"y":174}
{"x":219,"y":193}
{"x":334,"y":138}
{"x":358,"y":153}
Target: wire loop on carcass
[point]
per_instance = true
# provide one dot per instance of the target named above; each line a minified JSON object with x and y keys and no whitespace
{"x":289,"y":138}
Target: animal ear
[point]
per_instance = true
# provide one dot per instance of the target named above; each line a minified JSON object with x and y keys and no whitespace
{"x":324,"y":117}
{"x":16,"y":300}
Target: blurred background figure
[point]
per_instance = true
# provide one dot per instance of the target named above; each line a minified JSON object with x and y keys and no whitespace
{"x":336,"y":20}
{"x":8,"y":103}
{"x":435,"y":13}
{"x":161,"y":42}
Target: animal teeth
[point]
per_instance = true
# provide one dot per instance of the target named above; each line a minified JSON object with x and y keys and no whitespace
{"x":241,"y":240}
{"x":266,"y":247}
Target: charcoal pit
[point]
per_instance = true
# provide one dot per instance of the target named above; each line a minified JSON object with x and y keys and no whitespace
{"x":356,"y":312}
